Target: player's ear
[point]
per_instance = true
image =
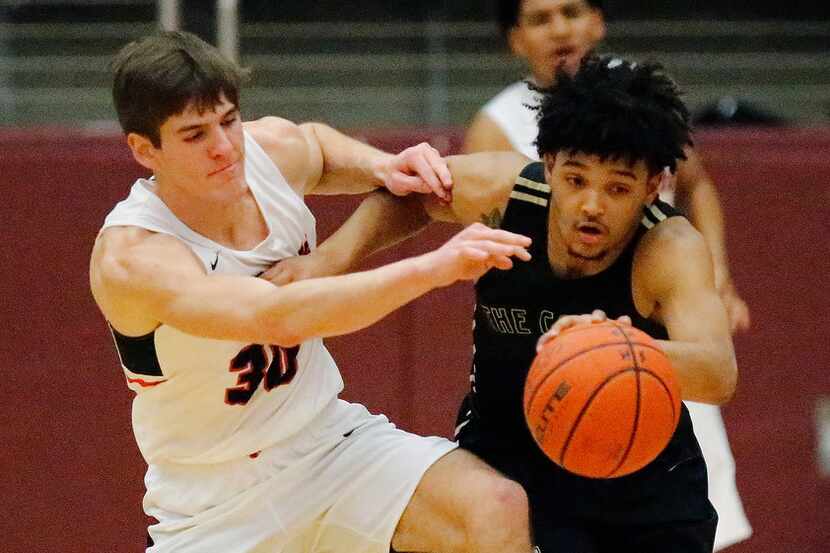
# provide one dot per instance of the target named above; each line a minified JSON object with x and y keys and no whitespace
{"x":549,"y":160}
{"x":515,"y":40}
{"x":662,"y":180}
{"x":597,"y":28}
{"x":142,"y":149}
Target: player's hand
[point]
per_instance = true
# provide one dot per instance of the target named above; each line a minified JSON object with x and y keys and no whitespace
{"x":419,"y":169}
{"x":569,"y":321}
{"x":474,"y":251}
{"x":301,"y":267}
{"x":736,"y":308}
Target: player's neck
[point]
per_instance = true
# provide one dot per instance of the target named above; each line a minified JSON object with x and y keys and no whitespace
{"x":236,"y":222}
{"x":568,"y":264}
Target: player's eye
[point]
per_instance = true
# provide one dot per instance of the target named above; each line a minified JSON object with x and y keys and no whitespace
{"x":194,"y":137}
{"x":575,"y":181}
{"x":536,"y":19}
{"x":573,"y":11}
{"x":229,"y":121}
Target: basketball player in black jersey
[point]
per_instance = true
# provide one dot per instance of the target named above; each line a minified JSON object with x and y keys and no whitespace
{"x":603,"y":246}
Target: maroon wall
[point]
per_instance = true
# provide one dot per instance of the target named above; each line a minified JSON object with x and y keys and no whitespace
{"x":72,"y":476}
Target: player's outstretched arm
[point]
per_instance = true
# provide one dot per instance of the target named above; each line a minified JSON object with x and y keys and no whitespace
{"x":673,"y":269}
{"x":317,"y":159}
{"x":482,"y":185}
{"x":380,"y":221}
{"x":485,"y":135}
{"x":698,"y":196}
{"x":142,"y":279}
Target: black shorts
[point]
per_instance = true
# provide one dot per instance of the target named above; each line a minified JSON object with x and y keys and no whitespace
{"x":662,"y":508}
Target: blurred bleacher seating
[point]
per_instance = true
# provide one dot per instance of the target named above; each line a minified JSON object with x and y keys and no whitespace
{"x":54,"y":64}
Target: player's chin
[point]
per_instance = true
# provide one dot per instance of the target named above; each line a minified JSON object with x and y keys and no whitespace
{"x":588,"y":253}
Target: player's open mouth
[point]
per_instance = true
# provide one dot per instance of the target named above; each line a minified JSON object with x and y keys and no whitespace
{"x":590,"y":233}
{"x":562,"y":54}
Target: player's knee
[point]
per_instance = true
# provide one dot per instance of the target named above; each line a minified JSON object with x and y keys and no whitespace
{"x":498,"y":514}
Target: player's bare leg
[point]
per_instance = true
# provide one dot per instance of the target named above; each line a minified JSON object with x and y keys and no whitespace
{"x":462,"y":505}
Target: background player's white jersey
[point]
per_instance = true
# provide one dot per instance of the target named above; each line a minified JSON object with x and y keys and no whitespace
{"x":201,"y":400}
{"x":511,"y":110}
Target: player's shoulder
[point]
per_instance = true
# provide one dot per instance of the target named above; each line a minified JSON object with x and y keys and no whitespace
{"x":126,"y":262}
{"x":116,"y":241}
{"x":275,"y":134}
{"x":289,"y":146}
{"x":120,"y":250}
{"x":674,"y":233}
{"x":670,"y":246}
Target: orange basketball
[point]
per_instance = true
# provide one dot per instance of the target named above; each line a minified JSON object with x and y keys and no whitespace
{"x":601,"y":400}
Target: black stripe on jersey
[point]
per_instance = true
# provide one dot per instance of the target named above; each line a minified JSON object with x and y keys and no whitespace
{"x":539,"y":189}
{"x":656,"y":212}
{"x":530,"y":186}
{"x":138,"y":353}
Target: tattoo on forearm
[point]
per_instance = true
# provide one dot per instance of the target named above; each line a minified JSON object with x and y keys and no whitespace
{"x":493,"y":220}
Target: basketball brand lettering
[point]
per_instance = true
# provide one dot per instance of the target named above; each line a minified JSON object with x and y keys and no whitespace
{"x":254,"y":366}
{"x":560,"y":393}
{"x":513,"y":320}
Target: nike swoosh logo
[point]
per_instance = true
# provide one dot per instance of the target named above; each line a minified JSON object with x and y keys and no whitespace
{"x":215,"y":262}
{"x":674,"y":466}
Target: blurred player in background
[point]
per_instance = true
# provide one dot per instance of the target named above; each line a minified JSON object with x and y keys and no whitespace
{"x":603,"y":245}
{"x":547,"y":35}
{"x":236,"y":411}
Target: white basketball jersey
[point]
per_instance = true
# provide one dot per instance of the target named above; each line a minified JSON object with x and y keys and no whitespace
{"x":512,"y":110}
{"x":202,"y":400}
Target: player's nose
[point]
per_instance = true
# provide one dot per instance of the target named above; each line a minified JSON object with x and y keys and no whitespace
{"x":559,"y":26}
{"x":221,"y":144}
{"x":591,"y":203}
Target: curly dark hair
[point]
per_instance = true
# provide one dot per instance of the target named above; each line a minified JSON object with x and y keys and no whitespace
{"x":617,"y":110}
{"x":160,"y":75}
{"x":508,"y":12}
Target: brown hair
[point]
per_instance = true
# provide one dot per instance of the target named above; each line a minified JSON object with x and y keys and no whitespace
{"x":161,"y":75}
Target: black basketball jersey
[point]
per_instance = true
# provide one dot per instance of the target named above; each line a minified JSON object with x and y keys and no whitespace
{"x":515,"y":307}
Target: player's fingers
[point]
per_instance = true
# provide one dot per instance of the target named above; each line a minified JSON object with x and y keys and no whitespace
{"x":401,"y":184}
{"x":502,"y":262}
{"x":500,"y":249}
{"x":544,"y":339}
{"x":473,"y":250}
{"x":738,"y":318}
{"x":521,"y":253}
{"x":279,"y":275}
{"x":421,"y":166}
{"x":569,"y":321}
{"x":598,"y":315}
{"x":562,"y":324}
{"x":625,"y":319}
{"x":439,"y":165}
{"x":480,"y":231}
{"x":744,"y":321}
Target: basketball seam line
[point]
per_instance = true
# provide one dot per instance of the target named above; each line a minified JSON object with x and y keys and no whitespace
{"x":656,"y":376}
{"x":582,"y":411}
{"x":636,"y":404}
{"x":575,"y":355}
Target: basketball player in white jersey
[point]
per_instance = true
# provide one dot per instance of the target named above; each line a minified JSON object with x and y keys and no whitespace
{"x":548,"y":34}
{"x":236,"y":411}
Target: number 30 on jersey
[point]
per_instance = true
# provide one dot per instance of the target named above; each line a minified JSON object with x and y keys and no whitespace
{"x":271,"y":365}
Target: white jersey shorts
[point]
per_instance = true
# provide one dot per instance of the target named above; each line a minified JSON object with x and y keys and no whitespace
{"x":341,"y":484}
